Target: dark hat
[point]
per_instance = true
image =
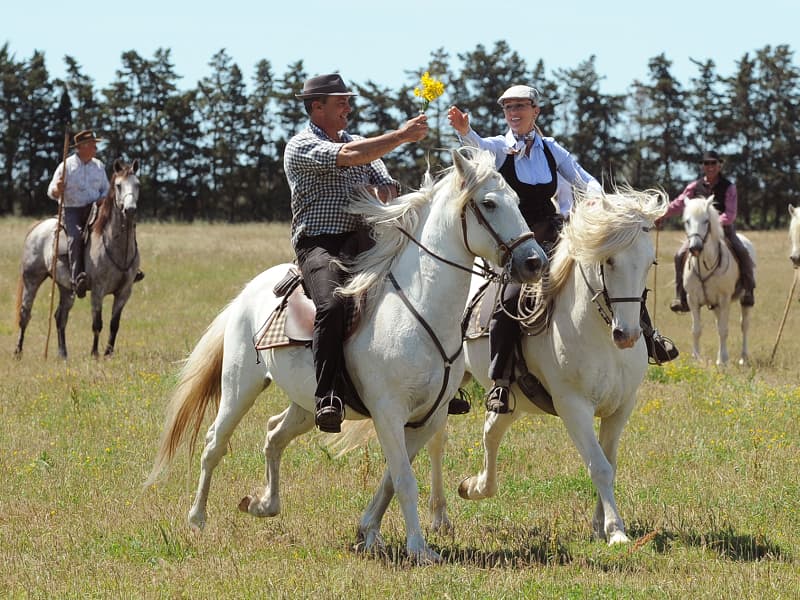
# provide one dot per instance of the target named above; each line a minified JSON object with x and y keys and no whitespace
{"x":87,"y":135}
{"x":324,"y":85}
{"x":711,"y":155}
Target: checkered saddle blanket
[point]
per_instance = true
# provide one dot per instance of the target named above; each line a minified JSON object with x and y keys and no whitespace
{"x":292,"y":321}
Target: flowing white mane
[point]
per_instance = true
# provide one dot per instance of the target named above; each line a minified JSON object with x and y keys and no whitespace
{"x":408,"y":212}
{"x":599,"y":227}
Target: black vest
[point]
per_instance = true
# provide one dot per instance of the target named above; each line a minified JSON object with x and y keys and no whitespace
{"x":719,"y":190}
{"x":535,"y":201}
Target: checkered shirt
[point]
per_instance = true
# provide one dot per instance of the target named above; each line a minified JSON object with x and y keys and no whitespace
{"x":320,"y":190}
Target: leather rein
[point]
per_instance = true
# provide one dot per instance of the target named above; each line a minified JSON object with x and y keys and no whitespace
{"x":507,"y":252}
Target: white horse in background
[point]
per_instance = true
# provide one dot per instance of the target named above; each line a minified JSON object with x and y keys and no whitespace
{"x":405,"y":359}
{"x":794,"y":236}
{"x":710,"y":275}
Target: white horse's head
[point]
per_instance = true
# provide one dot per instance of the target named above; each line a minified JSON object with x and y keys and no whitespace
{"x":608,"y":239}
{"x":794,"y":235}
{"x":701,"y":223}
{"x":492,"y":225}
{"x":126,"y":188}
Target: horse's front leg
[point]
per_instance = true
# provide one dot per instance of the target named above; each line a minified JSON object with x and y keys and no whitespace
{"x":484,"y":484}
{"x":399,"y":447}
{"x":610,"y":432}
{"x":281,"y":430}
{"x":97,"y":320}
{"x":65,"y":301}
{"x":697,"y":329}
{"x":722,"y":313}
{"x":437,"y":503}
{"x":120,"y":300}
{"x":745,"y":358}
{"x":578,"y":416}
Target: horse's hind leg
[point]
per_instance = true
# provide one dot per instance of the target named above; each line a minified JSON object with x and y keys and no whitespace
{"x":26,"y":294}
{"x":281,"y":430}
{"x":484,"y":484}
{"x":240,"y":387}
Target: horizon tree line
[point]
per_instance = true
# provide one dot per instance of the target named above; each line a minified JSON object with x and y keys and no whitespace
{"x":214,"y":152}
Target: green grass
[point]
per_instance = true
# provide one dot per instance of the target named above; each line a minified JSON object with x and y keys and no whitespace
{"x":707,"y":482}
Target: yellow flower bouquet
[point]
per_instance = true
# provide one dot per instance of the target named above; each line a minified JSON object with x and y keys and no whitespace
{"x":429,"y":90}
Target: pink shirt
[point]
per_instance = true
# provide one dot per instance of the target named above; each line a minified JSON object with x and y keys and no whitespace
{"x":726,"y":218}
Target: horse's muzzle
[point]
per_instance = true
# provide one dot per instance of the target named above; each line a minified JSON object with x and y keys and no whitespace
{"x":624,"y":339}
{"x":795,"y":258}
{"x":528,"y":262}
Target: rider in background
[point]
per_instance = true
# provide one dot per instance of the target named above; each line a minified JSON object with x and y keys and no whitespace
{"x":531,"y":164}
{"x":725,"y":201}
{"x":85,"y":183}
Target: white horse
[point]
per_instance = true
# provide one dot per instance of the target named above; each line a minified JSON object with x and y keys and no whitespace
{"x":404,"y":373}
{"x":710,"y":275}
{"x":591,"y":357}
{"x":794,"y":236}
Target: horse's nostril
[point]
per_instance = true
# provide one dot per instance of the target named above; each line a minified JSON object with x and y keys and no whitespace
{"x":534,"y":263}
{"x":618,"y":334}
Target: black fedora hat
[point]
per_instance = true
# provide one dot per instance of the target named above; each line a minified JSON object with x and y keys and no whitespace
{"x":324,"y":85}
{"x":87,"y":135}
{"x":711,"y":156}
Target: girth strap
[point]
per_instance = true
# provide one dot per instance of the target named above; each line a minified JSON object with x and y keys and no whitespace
{"x":448,"y":361}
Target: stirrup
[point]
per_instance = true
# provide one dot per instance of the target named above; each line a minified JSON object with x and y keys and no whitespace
{"x":138,"y":277}
{"x":329,"y":413}
{"x":660,"y":349}
{"x":497,"y":400}
{"x":459,"y":404}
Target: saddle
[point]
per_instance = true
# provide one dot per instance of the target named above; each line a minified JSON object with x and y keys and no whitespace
{"x":292,"y":324}
{"x":475,"y":324}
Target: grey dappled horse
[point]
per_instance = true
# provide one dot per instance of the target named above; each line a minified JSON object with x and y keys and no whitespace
{"x":111,"y":255}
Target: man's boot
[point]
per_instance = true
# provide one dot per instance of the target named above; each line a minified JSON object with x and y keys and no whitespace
{"x":679,"y":303}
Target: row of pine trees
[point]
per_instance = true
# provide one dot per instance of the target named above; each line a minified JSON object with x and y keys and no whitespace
{"x":214,"y":150}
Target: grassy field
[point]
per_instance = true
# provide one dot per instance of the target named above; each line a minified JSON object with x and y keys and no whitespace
{"x":708,"y":467}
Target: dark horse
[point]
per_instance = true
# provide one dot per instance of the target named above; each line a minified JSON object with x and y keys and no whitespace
{"x":112,"y":261}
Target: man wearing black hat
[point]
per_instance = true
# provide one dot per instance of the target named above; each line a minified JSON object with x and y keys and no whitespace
{"x":725,"y":201}
{"x":324,"y":166}
{"x":84,"y":183}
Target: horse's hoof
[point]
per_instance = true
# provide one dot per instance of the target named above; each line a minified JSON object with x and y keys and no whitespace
{"x":463,"y":488}
{"x":618,"y":537}
{"x":426,"y":556}
{"x":244,"y":504}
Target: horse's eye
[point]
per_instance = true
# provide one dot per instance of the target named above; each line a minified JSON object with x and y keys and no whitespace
{"x":610,"y":262}
{"x":489,"y":204}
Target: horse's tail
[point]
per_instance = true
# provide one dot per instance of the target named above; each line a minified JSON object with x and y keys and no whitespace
{"x":199,"y":384}
{"x":355,"y":434}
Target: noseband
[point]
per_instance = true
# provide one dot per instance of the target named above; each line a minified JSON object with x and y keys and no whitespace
{"x":609,"y":301}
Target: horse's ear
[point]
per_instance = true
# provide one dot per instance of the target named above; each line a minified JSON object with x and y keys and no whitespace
{"x":135,"y":165}
{"x":710,"y":201}
{"x":463,"y":168}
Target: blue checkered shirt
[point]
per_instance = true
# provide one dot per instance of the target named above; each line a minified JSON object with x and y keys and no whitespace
{"x":320,"y":190}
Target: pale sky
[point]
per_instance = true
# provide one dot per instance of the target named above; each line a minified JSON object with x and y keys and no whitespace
{"x":380,"y":41}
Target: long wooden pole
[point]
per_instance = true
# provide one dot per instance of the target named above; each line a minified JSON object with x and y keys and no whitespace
{"x":54,"y":263}
{"x":785,"y":312}
{"x":655,"y":283}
